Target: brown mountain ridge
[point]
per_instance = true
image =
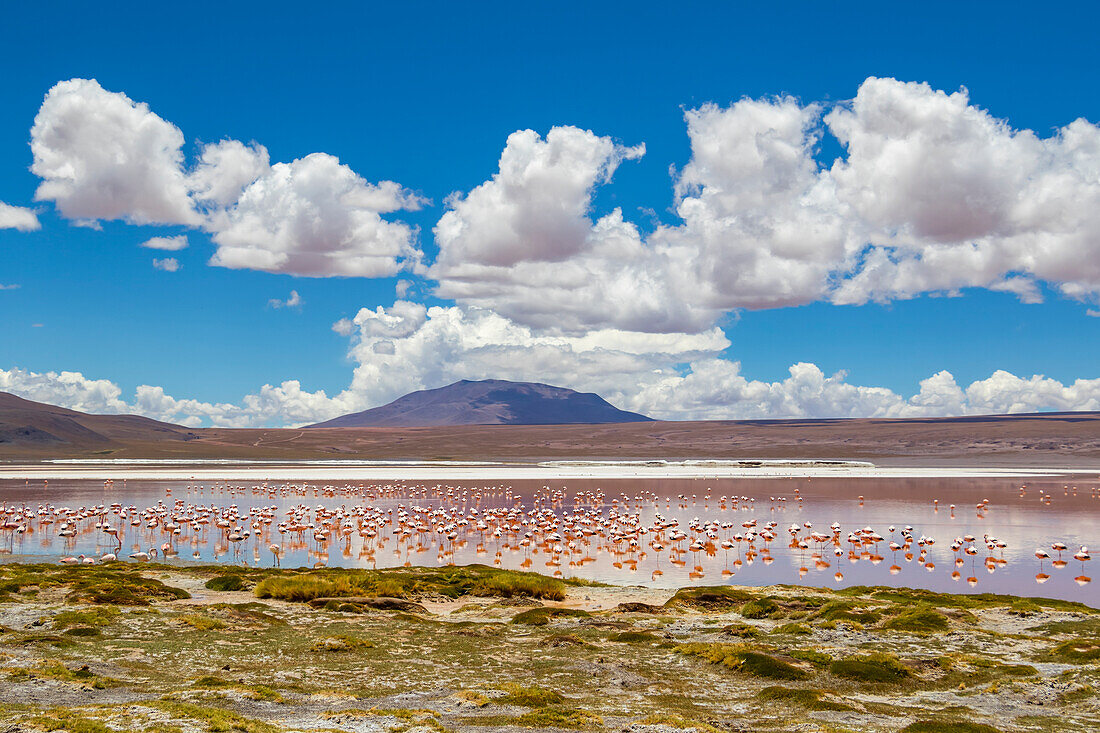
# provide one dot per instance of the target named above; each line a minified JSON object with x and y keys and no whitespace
{"x":33,"y":431}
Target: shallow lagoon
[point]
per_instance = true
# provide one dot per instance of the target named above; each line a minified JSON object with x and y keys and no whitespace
{"x":1025,"y":513}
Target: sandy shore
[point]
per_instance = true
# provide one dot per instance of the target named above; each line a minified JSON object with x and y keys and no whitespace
{"x":452,"y":471}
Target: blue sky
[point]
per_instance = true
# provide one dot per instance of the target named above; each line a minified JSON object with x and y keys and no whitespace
{"x":426,"y":95}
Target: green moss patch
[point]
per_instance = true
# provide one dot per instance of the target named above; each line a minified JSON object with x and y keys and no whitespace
{"x":946,"y":726}
{"x":541,"y":616}
{"x":738,"y":658}
{"x":872,"y":668}
{"x":1077,"y":651}
{"x":759,"y":608}
{"x":453,"y":582}
{"x":225,"y":583}
{"x":717,"y":598}
{"x":920,"y":620}
{"x":528,"y":696}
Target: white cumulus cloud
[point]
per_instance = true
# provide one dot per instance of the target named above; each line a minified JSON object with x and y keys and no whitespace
{"x":170,"y":244}
{"x":19,"y":218}
{"x":168,"y":264}
{"x":224,"y":170}
{"x":931,"y":194}
{"x":524,"y":243}
{"x":294,"y":300}
{"x":103,"y":156}
{"x":679,"y":376}
{"x":317,"y":217}
{"x":953,"y":197}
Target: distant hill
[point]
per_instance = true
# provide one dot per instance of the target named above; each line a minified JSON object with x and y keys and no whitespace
{"x":37,"y":426}
{"x":489,"y":402}
{"x":32,"y":431}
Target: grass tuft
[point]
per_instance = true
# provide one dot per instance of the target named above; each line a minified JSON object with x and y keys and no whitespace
{"x":944,"y":726}
{"x":225,"y":583}
{"x":203,"y":623}
{"x":760,"y":608}
{"x":528,"y":696}
{"x":737,"y":657}
{"x":920,"y":620}
{"x":453,"y":582}
{"x":541,"y":616}
{"x":871,"y":668}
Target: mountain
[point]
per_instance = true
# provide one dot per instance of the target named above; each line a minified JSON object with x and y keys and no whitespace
{"x":37,"y":426}
{"x":31,"y":431}
{"x":488,"y":402}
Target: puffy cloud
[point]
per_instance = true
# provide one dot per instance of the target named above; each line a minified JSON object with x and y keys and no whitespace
{"x":932,"y":194}
{"x":168,"y":264}
{"x":284,"y":404}
{"x":953,"y":197}
{"x":101,"y":155}
{"x":536,"y":206}
{"x":762,"y":227}
{"x":669,"y":376}
{"x":66,"y":389}
{"x":317,"y":217}
{"x":524,"y":245}
{"x":1004,"y":393}
{"x":292,"y":301}
{"x":409,"y":346}
{"x":17,"y":217}
{"x":170,"y":244}
{"x":224,"y":170}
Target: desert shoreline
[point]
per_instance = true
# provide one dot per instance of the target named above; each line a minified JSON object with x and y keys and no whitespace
{"x":489,"y":471}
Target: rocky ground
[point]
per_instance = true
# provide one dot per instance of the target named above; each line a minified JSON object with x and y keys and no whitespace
{"x":153,"y":648}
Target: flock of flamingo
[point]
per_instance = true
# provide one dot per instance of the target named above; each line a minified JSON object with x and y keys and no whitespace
{"x":476,"y":524}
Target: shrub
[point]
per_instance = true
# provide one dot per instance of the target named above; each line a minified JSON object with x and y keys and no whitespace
{"x":528,"y":697}
{"x":541,"y":616}
{"x":710,"y":598}
{"x":203,"y":623}
{"x":872,"y":668}
{"x":225,"y":583}
{"x":940,"y":726}
{"x":739,"y":658}
{"x":759,"y":608}
{"x":1078,"y":651}
{"x":920,"y":620}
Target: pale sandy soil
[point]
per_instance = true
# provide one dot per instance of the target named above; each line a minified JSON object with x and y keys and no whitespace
{"x":511,"y":472}
{"x":449,"y":667}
